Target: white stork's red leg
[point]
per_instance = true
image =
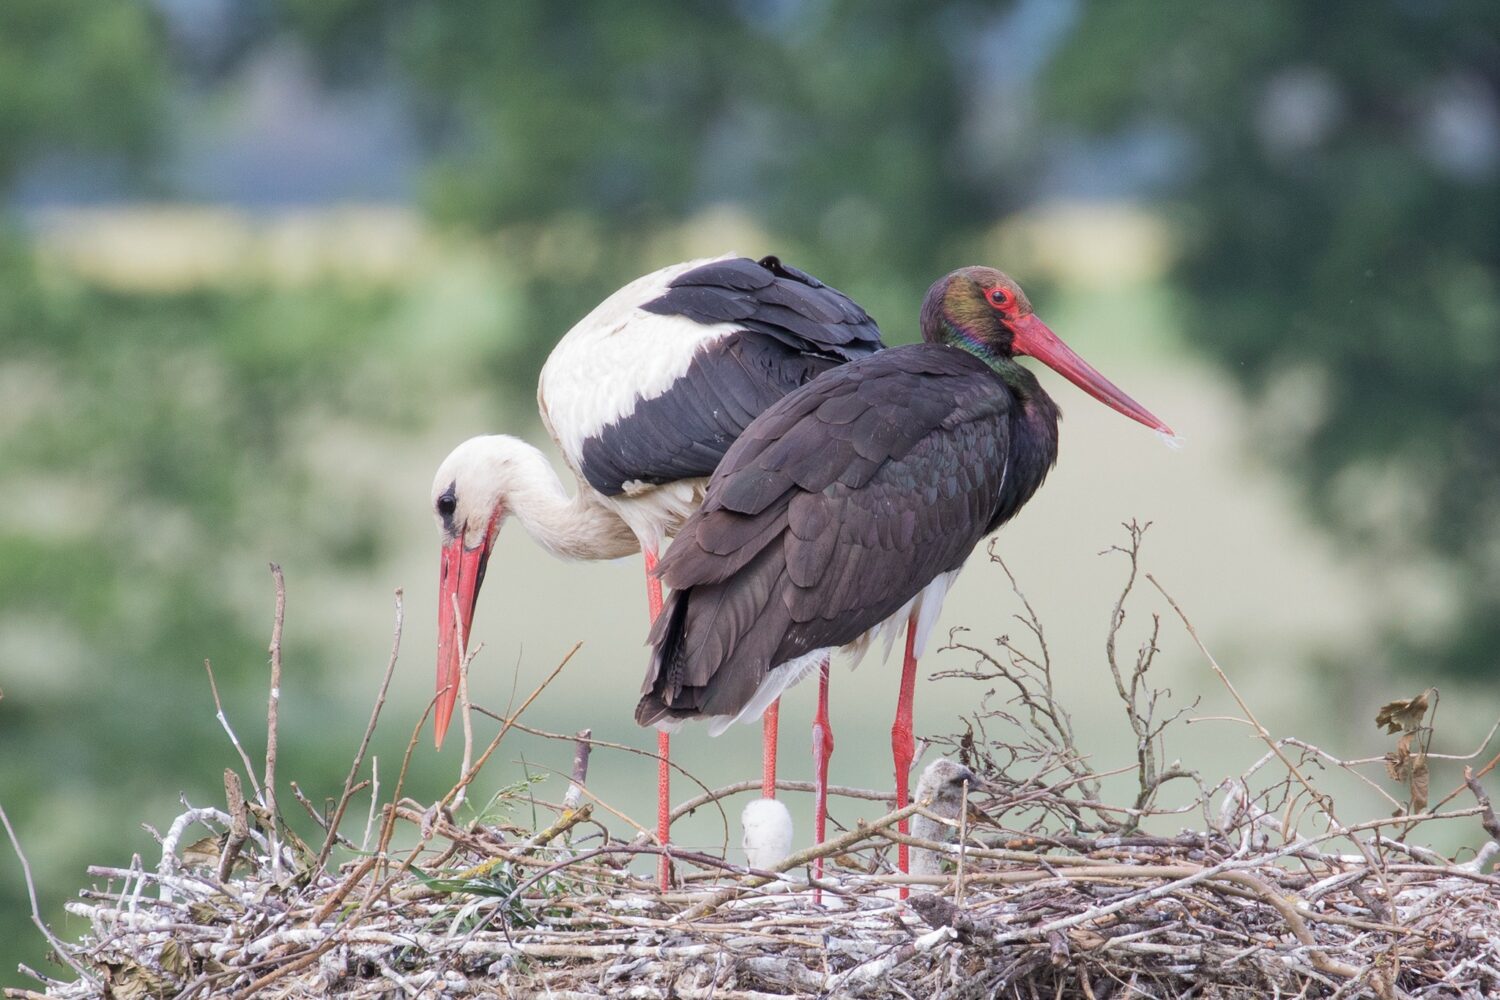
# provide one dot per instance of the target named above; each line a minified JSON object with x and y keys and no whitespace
{"x":903,"y":748}
{"x":663,"y":738}
{"x":769,"y":726}
{"x":822,"y":741}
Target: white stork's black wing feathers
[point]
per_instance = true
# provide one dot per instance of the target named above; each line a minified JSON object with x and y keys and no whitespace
{"x":774,"y":299}
{"x":793,"y":326}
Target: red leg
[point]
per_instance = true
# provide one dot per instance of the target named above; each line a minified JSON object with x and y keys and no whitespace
{"x":902,"y":747}
{"x":663,"y":739}
{"x":822,"y":741}
{"x":769,"y":723}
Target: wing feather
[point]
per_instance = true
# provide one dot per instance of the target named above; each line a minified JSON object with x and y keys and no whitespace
{"x":868,"y":483}
{"x":791,"y":328}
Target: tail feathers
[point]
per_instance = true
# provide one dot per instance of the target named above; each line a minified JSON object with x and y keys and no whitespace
{"x":666,"y":655}
{"x":713,"y":645}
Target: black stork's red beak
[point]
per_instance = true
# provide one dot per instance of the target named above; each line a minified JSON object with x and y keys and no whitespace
{"x":1032,"y":337}
{"x":458,"y":588}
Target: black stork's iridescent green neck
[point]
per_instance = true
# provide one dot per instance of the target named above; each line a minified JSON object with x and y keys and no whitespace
{"x":983,"y":311}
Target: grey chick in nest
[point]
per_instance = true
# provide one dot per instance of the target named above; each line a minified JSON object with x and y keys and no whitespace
{"x":941,"y":791}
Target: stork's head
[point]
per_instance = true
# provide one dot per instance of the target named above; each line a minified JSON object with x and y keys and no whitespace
{"x":470,"y":500}
{"x":984,"y":312}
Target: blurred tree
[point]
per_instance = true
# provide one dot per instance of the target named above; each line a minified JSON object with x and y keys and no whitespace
{"x":1341,"y":194}
{"x":78,"y":76}
{"x":74,"y":76}
{"x":850,"y":127}
{"x":1335,"y":170}
{"x":151,"y":459}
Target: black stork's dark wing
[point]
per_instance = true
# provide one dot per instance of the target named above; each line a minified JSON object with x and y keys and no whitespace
{"x":793,"y":328}
{"x":833,"y":510}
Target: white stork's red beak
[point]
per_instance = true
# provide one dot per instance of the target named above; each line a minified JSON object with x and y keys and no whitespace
{"x":458,"y":588}
{"x":1032,"y":337}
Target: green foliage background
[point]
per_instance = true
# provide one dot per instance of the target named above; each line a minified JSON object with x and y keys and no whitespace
{"x":1341,"y":262}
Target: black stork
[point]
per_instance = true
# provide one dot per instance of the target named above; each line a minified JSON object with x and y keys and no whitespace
{"x":847,"y":508}
{"x":643,"y":396}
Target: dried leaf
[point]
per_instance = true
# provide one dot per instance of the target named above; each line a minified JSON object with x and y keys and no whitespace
{"x":966,"y":747}
{"x":1419,"y":787}
{"x":129,"y":980}
{"x":1400,"y":715}
{"x":208,"y":914}
{"x":175,"y":959}
{"x":1398,"y":761}
{"x":202,"y":853}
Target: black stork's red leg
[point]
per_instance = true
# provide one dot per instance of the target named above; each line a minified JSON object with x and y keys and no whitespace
{"x":903,"y":747}
{"x":822,"y":741}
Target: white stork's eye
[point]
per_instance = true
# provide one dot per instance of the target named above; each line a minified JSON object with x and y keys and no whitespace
{"x":447,"y":503}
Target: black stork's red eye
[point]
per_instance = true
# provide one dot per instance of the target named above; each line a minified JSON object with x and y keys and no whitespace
{"x":1001,"y":298}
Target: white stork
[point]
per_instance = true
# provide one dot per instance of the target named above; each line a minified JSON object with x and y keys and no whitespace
{"x":643,"y":397}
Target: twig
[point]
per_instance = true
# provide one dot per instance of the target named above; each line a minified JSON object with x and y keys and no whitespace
{"x":273,"y":711}
{"x":456,"y":790}
{"x":239,"y":823}
{"x":644,"y":835}
{"x":509,"y":722}
{"x":1486,"y":769}
{"x":1182,"y":877}
{"x":574,"y":795}
{"x":782,"y":785}
{"x":364,"y":841}
{"x":1487,"y":812}
{"x":388,"y":826}
{"x":337,"y":897}
{"x":620,"y":814}
{"x":828,"y":848}
{"x":233,"y":739}
{"x":62,"y":950}
{"x":1321,"y":798}
{"x":562,"y":825}
{"x":283,"y":971}
{"x":963,"y":843}
{"x":647,"y":835}
{"x":465,"y":659}
{"x":364,"y":743}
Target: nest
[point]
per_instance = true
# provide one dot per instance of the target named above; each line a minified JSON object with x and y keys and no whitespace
{"x":1035,"y":886}
{"x":479,"y":913}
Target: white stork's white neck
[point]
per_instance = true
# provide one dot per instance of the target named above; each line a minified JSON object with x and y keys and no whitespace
{"x":498,"y":470}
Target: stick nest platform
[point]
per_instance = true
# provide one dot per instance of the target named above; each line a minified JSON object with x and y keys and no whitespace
{"x":1036,"y":886}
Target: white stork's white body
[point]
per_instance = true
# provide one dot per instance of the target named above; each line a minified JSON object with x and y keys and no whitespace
{"x":611,"y":361}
